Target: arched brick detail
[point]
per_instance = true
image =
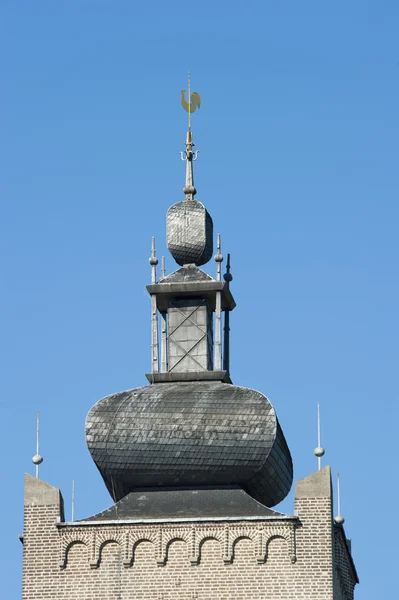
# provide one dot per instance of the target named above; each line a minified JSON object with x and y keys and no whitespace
{"x":66,"y":544}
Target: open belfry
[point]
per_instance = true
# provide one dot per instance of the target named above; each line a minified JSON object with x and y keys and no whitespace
{"x":193,"y":463}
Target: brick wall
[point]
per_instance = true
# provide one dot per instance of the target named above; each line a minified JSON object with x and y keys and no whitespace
{"x":249,"y":559}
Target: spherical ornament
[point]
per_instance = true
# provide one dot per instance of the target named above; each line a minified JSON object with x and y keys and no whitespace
{"x":37,"y":459}
{"x":339,"y":520}
{"x":153,"y":260}
{"x":189,"y":189}
{"x":319,"y":452}
{"x":228,"y":277}
{"x":218,"y":257}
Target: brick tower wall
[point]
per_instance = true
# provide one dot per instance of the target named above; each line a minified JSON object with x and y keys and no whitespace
{"x":269,"y":559}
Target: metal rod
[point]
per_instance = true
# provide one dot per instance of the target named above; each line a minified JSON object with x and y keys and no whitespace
{"x":153,"y":262}
{"x":226,"y":340}
{"x":218,"y":259}
{"x":318,"y":435}
{"x":73,"y":500}
{"x":218,"y":333}
{"x":189,"y":101}
{"x":226,"y":348}
{"x":37,"y":442}
{"x":154,"y":327}
{"x":164,"y":364}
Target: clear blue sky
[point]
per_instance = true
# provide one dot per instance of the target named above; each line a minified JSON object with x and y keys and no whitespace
{"x":298,"y":134}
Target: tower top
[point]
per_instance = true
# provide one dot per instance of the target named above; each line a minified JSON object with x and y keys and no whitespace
{"x":189,"y":225}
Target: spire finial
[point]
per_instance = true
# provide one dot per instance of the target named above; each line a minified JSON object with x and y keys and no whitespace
{"x":153,"y":262}
{"x":190,"y":105}
{"x":228,"y":277}
{"x":189,"y":99}
{"x":319,"y":451}
{"x":339,"y":519}
{"x":218,"y":259}
{"x":37,"y":459}
{"x":226,"y":348}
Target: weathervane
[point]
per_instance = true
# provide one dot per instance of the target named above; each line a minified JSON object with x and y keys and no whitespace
{"x":194,"y":101}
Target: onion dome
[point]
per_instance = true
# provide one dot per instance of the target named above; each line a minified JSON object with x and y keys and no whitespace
{"x":193,"y":434}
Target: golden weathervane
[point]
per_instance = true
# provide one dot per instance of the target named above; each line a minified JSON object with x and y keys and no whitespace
{"x":194,"y":102}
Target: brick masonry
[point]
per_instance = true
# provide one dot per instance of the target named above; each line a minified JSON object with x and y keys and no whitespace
{"x":304,"y":557}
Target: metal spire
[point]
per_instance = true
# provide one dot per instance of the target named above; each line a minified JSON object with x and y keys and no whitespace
{"x":339,"y":519}
{"x":319,"y":451}
{"x":153,"y":262}
{"x":154,"y":314}
{"x":189,"y":100}
{"x":194,"y":102}
{"x":218,"y":311}
{"x":37,"y":459}
{"x":226,"y":349}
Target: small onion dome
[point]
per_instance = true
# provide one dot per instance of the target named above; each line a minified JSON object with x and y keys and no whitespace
{"x":37,"y":459}
{"x":189,"y":232}
{"x":339,"y":520}
{"x":319,"y":451}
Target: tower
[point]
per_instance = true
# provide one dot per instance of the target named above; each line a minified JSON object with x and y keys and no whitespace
{"x":194,"y":465}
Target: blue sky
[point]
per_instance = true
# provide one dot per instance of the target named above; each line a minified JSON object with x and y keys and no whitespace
{"x":298,"y":133}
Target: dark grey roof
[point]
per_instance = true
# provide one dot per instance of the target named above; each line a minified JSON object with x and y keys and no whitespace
{"x":172,"y":503}
{"x":190,"y":434}
{"x":187,"y":273}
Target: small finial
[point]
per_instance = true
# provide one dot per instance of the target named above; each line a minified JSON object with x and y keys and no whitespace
{"x":339,"y":519}
{"x":218,"y":259}
{"x":163,"y":267}
{"x":228,"y":277}
{"x":153,"y":262}
{"x":37,"y":459}
{"x":319,"y":451}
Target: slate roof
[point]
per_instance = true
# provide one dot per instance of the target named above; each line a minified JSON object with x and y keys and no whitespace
{"x":188,"y":273}
{"x":190,"y":434}
{"x":166,"y":504}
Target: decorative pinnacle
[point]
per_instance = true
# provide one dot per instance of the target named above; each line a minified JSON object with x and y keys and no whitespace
{"x":153,"y":262}
{"x":319,"y":451}
{"x":37,"y":459}
{"x":189,"y":156}
{"x":339,"y":519}
{"x":194,"y":101}
{"x":218,"y":259}
{"x":228,"y":277}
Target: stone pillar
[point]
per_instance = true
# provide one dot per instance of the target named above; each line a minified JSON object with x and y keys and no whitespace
{"x":313,"y":506}
{"x":43,"y":508}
